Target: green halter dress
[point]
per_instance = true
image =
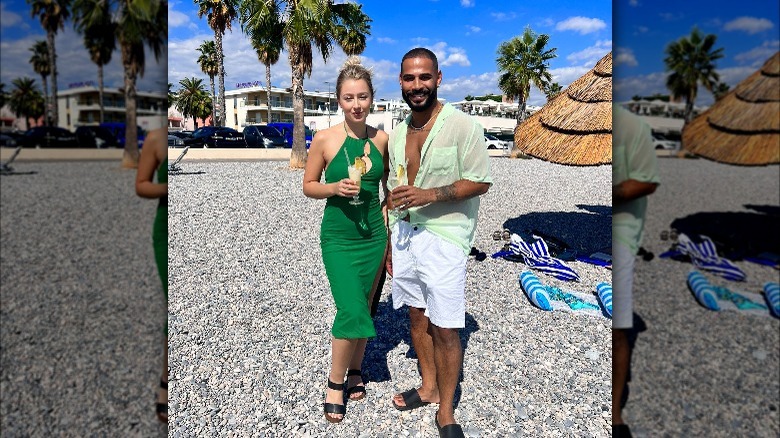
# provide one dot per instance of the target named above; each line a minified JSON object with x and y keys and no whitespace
{"x":160,"y":234}
{"x":353,"y":240}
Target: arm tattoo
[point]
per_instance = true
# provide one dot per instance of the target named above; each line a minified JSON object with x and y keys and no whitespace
{"x":446,"y":193}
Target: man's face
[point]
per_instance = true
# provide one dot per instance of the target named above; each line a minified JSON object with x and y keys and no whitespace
{"x":419,"y":82}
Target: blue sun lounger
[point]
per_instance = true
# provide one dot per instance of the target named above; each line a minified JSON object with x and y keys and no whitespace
{"x":704,"y":256}
{"x":537,"y":256}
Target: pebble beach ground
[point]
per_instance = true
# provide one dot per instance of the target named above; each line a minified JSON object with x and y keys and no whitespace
{"x":250,"y":313}
{"x":697,"y":372}
{"x":81,"y":305}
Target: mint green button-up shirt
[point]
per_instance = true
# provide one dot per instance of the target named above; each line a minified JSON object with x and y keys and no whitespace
{"x":633,"y":157}
{"x":455,"y":149}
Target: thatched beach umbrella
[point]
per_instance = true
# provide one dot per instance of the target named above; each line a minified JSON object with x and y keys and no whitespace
{"x":574,"y":128}
{"x":744,"y":126}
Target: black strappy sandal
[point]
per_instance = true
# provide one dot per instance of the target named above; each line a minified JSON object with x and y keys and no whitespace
{"x":162,"y":408}
{"x":356,"y":389}
{"x":334,"y":408}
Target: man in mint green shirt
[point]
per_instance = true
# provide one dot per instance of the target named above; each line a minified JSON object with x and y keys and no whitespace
{"x":634,"y":177}
{"x":445,"y":165}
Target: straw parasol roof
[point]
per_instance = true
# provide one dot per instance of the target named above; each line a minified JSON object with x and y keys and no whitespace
{"x":575,"y":127}
{"x":744,"y":126}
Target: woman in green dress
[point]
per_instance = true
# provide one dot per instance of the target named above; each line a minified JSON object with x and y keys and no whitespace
{"x":154,"y":158}
{"x":353,"y":234}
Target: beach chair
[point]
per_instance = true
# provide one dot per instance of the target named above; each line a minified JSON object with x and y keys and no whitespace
{"x":537,"y":256}
{"x":6,"y":167}
{"x":174,"y":167}
{"x":704,"y":256}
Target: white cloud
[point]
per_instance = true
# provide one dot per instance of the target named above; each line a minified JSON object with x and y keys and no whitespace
{"x":623,"y":88}
{"x":385,"y":40}
{"x":8,"y":18}
{"x":669,"y":16}
{"x":547,"y":22}
{"x":633,"y":2}
{"x":74,"y":65}
{"x":473,"y":29}
{"x":450,"y":55}
{"x":583,"y":25}
{"x":642,"y":29}
{"x":503,"y":16}
{"x":750,"y":25}
{"x":567,"y":75}
{"x":625,"y":56}
{"x":467,"y":3}
{"x":456,"y":88}
{"x":759,"y":54}
{"x":590,"y":55}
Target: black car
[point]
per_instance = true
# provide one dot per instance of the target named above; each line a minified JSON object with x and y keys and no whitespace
{"x":49,"y":137}
{"x":96,"y":137}
{"x":10,"y":139}
{"x":216,"y":137}
{"x":260,"y":136}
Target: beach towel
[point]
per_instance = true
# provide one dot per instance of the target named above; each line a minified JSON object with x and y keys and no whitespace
{"x":704,"y":256}
{"x":604,"y":292}
{"x":719,"y":298}
{"x":550,"y":298}
{"x":536,"y":255}
{"x":772,"y":296}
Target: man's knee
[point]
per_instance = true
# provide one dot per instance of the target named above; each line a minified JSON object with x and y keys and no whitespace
{"x":445,"y":337}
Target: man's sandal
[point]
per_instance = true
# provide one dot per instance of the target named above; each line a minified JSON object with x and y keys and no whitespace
{"x":334,"y":408}
{"x":411,"y":400}
{"x":357,"y":389}
{"x":449,"y":431}
{"x":162,"y":408}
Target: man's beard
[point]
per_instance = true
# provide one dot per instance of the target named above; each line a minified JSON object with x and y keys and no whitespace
{"x":427,"y":103}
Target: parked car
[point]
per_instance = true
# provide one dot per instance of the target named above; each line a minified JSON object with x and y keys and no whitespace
{"x":7,"y":140}
{"x":660,"y":142}
{"x":48,"y":137}
{"x":259,"y":136}
{"x":216,"y":137}
{"x":96,"y":137}
{"x":181,"y":134}
{"x":175,"y":142}
{"x":286,"y":128}
{"x":118,"y":130}
{"x":495,"y":143}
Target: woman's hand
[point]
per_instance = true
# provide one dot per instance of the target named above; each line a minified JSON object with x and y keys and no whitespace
{"x":346,"y":188}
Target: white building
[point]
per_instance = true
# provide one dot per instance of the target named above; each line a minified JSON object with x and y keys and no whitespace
{"x":79,"y":105}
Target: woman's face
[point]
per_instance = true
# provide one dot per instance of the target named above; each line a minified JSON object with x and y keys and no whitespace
{"x":355,"y":99}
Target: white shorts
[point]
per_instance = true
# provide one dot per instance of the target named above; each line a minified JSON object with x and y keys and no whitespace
{"x":622,"y":284}
{"x":429,"y":273}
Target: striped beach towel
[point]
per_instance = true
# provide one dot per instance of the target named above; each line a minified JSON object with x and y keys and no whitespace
{"x":703,"y":291}
{"x":772,"y":296}
{"x":604,"y":291}
{"x":704,"y":256}
{"x":537,"y":256}
{"x":535,"y":290}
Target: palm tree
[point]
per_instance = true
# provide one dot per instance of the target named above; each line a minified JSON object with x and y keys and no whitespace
{"x":316,"y":23}
{"x":524,"y":60}
{"x":139,"y":24}
{"x":721,"y":90}
{"x":92,"y":18}
{"x":3,"y":95}
{"x":264,"y":37}
{"x":42,"y":66}
{"x":220,"y":15}
{"x":171,"y":95}
{"x":191,"y":99}
{"x":691,"y":60}
{"x":553,"y":90}
{"x":208,"y":64}
{"x":53,"y":14}
{"x":25,"y":100}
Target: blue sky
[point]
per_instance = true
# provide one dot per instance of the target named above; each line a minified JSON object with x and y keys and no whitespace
{"x":747,"y":30}
{"x":18,"y":32}
{"x":464,"y":34}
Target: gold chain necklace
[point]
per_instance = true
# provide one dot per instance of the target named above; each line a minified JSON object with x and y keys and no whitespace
{"x":416,"y":129}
